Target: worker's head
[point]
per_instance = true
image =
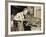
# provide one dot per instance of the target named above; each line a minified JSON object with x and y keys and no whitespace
{"x":30,"y":10}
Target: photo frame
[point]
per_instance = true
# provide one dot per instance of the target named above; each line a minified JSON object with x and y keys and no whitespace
{"x":25,"y":18}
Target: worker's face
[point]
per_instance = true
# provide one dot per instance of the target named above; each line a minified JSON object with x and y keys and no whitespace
{"x":25,"y":11}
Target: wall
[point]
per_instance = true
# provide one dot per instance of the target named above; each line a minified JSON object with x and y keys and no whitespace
{"x":37,"y":13}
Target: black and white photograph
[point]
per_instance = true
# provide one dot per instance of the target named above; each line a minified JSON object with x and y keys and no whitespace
{"x":25,"y":18}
